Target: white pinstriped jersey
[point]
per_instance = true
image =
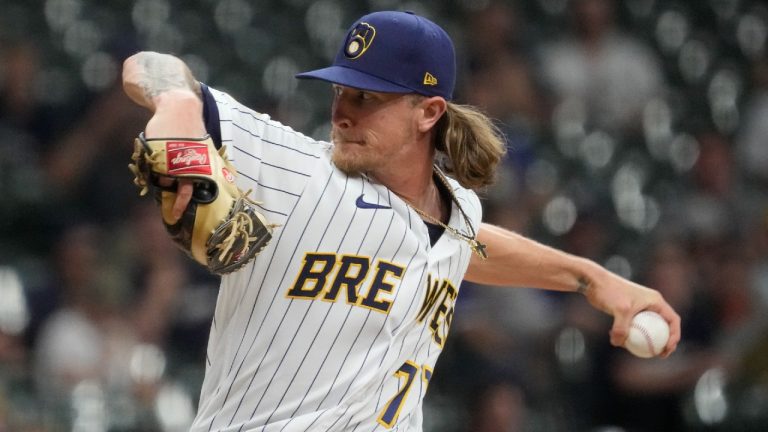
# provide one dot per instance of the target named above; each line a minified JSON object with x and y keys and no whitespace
{"x":338,"y":323}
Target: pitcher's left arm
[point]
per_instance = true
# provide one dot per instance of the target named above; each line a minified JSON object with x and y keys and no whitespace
{"x":516,"y":261}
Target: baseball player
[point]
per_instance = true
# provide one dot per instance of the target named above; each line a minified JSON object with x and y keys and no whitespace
{"x":338,"y":323}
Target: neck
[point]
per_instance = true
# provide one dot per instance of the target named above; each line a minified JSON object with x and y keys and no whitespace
{"x":428,"y":199}
{"x":413,"y":181}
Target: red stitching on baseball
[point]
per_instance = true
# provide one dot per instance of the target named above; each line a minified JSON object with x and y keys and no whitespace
{"x":647,"y":337}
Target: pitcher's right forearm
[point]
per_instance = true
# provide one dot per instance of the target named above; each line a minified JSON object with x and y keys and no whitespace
{"x":164,"y":84}
{"x":149,"y":75}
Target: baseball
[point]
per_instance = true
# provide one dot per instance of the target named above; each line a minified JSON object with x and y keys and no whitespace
{"x":648,"y":335}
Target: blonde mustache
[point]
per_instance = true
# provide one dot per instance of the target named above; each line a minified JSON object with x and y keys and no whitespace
{"x":337,"y":136}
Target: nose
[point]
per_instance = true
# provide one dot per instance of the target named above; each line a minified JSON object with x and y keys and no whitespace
{"x":340,"y":113}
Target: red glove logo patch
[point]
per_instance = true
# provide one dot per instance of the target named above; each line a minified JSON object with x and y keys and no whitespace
{"x":185,"y":157}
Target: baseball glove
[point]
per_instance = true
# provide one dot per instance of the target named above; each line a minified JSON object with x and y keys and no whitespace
{"x":221,"y":227}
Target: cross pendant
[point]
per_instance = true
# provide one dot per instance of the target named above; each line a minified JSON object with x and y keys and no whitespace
{"x":478,"y":248}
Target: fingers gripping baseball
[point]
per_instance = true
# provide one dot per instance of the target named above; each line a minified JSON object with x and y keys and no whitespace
{"x":673,"y":319}
{"x":624,"y":299}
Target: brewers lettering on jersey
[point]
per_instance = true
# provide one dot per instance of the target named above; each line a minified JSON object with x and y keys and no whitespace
{"x":337,"y":325}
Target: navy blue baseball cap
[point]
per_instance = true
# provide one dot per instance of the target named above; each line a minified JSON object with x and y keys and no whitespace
{"x":394,"y":52}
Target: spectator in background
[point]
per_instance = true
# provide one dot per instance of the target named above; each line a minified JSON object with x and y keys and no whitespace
{"x":499,"y":349}
{"x":751,"y":145}
{"x":157,"y":271}
{"x":501,"y":78}
{"x":502,"y":81}
{"x":758,"y":256}
{"x":80,"y":170}
{"x":87,"y":338}
{"x":615,"y":74}
{"x":708,"y":208}
{"x":12,"y":350}
{"x":20,"y":109}
{"x":751,"y":154}
{"x":25,"y":127}
{"x":172,"y":299}
{"x":115,"y":311}
{"x":501,"y":407}
{"x":638,"y":387}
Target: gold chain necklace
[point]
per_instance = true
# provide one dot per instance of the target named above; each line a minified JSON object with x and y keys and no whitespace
{"x":477,"y":247}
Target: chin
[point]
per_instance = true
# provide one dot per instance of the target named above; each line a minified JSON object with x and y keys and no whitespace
{"x":347,"y":165}
{"x":350,"y":162}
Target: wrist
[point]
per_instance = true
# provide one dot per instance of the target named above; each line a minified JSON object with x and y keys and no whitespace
{"x":149,"y":78}
{"x":178,"y":100}
{"x":583,"y":285}
{"x":178,"y":113}
{"x":586,"y":273}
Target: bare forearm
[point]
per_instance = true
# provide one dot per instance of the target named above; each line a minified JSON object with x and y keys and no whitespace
{"x":514,"y":260}
{"x":147,"y":76}
{"x":165,"y":85}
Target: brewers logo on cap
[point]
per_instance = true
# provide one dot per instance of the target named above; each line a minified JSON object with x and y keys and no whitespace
{"x":359,"y":39}
{"x":393,"y":52}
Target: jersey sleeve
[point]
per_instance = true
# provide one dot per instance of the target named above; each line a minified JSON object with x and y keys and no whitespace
{"x":272,"y":160}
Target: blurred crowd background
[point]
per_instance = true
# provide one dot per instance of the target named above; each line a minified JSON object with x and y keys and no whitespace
{"x":637,"y":137}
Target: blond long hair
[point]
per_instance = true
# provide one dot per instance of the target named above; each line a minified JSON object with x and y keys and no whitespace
{"x":472,"y":144}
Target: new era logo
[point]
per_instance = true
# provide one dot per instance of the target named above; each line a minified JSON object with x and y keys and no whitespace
{"x":430,"y":79}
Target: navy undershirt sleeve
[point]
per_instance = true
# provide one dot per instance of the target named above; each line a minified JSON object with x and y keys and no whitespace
{"x":211,"y":115}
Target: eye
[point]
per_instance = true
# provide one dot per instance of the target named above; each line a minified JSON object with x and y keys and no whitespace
{"x":337,"y":90}
{"x":364,"y":95}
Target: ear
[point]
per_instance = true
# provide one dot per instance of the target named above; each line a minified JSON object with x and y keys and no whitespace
{"x":430,"y":111}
